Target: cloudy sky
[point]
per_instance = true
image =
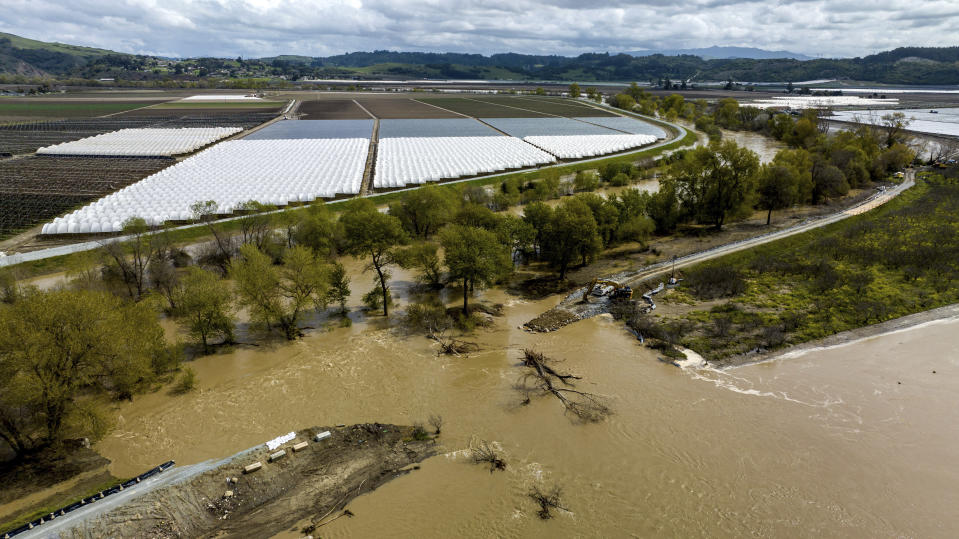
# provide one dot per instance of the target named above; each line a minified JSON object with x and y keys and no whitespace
{"x":253,"y":28}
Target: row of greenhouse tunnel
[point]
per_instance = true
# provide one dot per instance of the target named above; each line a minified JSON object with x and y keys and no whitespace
{"x":299,"y":161}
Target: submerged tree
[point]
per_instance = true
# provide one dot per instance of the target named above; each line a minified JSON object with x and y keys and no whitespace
{"x":474,"y":256}
{"x":279,"y":295}
{"x":56,"y":346}
{"x":369,"y":233}
{"x":205,"y":307}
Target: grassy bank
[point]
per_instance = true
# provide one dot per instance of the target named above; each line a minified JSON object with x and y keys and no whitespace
{"x":899,"y":259}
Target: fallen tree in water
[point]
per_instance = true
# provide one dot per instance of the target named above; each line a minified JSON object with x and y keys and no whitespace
{"x":542,"y":377}
{"x":547,"y":500}
{"x":485,"y":453}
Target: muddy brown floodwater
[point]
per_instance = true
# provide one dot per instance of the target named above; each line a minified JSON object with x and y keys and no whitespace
{"x":826,"y":444}
{"x":765,"y":147}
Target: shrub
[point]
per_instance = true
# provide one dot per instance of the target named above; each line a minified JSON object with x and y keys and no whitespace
{"x":187,"y":381}
{"x":714,"y":281}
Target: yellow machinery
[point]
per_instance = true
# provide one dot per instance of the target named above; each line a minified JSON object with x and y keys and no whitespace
{"x":620,"y":291}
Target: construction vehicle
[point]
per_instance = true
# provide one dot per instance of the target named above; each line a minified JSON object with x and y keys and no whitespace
{"x":620,"y":292}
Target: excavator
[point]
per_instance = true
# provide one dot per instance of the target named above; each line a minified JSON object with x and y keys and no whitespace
{"x":620,"y":291}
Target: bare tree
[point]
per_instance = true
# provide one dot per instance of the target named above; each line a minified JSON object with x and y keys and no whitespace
{"x":436,"y":421}
{"x":547,"y":500}
{"x":541,"y":377}
{"x":206,"y":212}
{"x":485,"y":453}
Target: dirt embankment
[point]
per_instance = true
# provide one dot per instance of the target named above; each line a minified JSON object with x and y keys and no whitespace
{"x":311,"y":483}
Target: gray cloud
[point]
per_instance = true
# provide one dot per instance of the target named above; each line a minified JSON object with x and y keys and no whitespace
{"x":254,"y":28}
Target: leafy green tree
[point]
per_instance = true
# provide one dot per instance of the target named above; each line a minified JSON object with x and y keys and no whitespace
{"x":570,"y":233}
{"x":318,"y":230}
{"x":56,"y":347}
{"x":424,"y":211}
{"x":622,"y":101}
{"x":606,"y":215}
{"x":586,"y":180}
{"x":894,"y":125}
{"x":425,"y":259}
{"x":538,"y":215}
{"x":663,"y":207}
{"x":800,"y":162}
{"x":778,"y":188}
{"x":727,"y":113}
{"x":474,"y":256}
{"x":638,"y":228}
{"x":515,"y":233}
{"x":131,"y":259}
{"x":715,"y":181}
{"x":339,"y":290}
{"x":369,"y":233}
{"x":279,"y":295}
{"x":204,"y":307}
{"x":828,"y":181}
{"x":256,"y":226}
{"x":574,"y":91}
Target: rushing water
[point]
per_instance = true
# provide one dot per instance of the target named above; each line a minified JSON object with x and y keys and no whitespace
{"x":826,"y":444}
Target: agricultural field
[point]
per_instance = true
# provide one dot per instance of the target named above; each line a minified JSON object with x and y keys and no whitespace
{"x":14,"y":109}
{"x":477,"y":108}
{"x":321,"y":155}
{"x":406,"y":161}
{"x":219,"y":105}
{"x":314,"y":129}
{"x":34,"y":189}
{"x":547,"y":106}
{"x":391,"y":107}
{"x":443,"y":127}
{"x":27,"y":137}
{"x":567,"y":147}
{"x":275,"y":172}
{"x":528,"y":127}
{"x":157,"y":142}
{"x":626,"y":125}
{"x":331,"y":109}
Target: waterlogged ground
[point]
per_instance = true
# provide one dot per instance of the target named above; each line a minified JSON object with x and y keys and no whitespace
{"x":826,"y":444}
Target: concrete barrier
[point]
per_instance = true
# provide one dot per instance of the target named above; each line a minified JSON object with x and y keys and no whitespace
{"x":252,"y":467}
{"x":278,"y":455}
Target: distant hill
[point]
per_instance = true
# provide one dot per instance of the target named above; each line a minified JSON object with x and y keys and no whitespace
{"x":908,"y":65}
{"x":30,"y":57}
{"x":725,"y":53}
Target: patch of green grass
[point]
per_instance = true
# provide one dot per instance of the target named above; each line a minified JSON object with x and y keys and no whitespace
{"x":898,"y":259}
{"x":55,"y":504}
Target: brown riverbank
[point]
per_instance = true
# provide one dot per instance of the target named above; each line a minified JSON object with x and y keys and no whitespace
{"x":314,"y":483}
{"x":845,"y":337}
